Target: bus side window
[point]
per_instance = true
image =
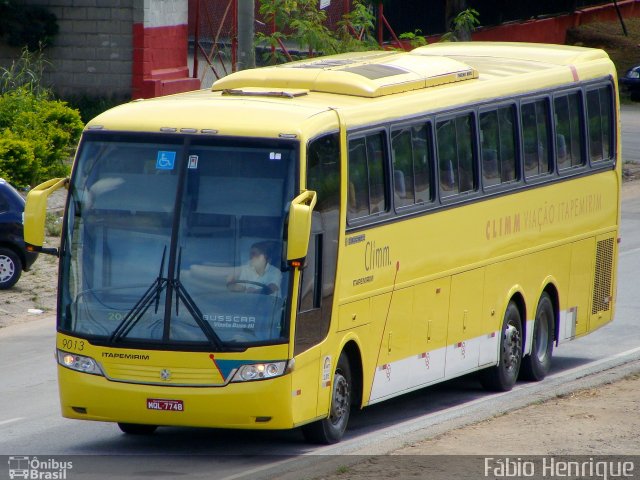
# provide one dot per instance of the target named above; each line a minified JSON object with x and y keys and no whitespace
{"x":599,"y":104}
{"x":411,"y":165}
{"x":497,"y":136}
{"x":455,"y":155}
{"x":569,"y":134}
{"x":366,"y":194}
{"x":535,"y":138}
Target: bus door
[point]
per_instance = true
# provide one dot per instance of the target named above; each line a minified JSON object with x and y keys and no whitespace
{"x":317,"y":280}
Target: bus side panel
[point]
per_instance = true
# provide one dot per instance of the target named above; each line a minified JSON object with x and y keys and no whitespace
{"x":464,"y":329}
{"x":305,"y":383}
{"x":576,"y":310}
{"x":411,"y":348}
{"x":429,"y":333}
{"x":392,"y":314}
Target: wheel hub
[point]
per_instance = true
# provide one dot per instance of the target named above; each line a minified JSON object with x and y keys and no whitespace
{"x":512,"y":347}
{"x":7,"y":268}
{"x":340,"y":402}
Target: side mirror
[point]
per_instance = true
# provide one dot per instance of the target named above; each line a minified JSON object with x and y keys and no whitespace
{"x":35,"y":212}
{"x":300,"y":215}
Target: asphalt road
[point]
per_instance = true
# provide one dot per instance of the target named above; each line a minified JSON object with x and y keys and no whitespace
{"x":30,"y":423}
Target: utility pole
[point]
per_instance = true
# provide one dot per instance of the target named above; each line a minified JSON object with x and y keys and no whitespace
{"x":246,"y":22}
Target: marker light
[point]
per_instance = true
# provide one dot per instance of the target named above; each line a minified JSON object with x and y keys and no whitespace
{"x":79,"y":363}
{"x":261,"y":371}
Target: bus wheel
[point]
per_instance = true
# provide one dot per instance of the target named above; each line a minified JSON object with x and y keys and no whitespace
{"x":536,"y":366}
{"x":503,"y":376}
{"x":331,"y":429}
{"x":137,"y":429}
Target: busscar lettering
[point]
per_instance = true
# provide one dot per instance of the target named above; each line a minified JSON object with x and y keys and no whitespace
{"x":231,"y":321}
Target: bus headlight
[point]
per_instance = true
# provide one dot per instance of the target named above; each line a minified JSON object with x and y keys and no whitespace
{"x":80,"y":363}
{"x":260,"y":371}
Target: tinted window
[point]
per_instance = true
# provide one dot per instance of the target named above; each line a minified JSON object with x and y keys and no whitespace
{"x":535,"y":138}
{"x":455,"y":155}
{"x":600,"y":129}
{"x":366,"y":176}
{"x":497,"y":134}
{"x":411,"y":165}
{"x":569,"y":134}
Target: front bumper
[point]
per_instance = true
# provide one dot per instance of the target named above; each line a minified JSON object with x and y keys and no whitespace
{"x":262,"y":404}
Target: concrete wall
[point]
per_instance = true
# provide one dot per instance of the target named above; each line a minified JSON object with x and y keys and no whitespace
{"x":93,"y":51}
{"x":123,"y":48}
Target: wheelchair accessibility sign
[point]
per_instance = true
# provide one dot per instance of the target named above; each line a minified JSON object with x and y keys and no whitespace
{"x":165,"y":160}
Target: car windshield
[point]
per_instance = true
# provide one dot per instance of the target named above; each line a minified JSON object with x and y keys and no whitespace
{"x":177,"y":242}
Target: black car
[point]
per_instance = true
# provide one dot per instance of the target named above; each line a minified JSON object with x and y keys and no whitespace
{"x":13,"y":256}
{"x":631,"y":80}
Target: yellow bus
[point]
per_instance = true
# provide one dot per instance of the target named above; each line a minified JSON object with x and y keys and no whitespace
{"x":327,"y":234}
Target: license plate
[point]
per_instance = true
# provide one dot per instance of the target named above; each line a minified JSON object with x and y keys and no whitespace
{"x":163,"y":404}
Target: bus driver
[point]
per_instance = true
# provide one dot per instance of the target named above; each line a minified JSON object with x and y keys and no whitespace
{"x":258,"y":275}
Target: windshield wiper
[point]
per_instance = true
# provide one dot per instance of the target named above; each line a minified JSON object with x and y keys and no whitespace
{"x":142,"y":305}
{"x":183,"y":295}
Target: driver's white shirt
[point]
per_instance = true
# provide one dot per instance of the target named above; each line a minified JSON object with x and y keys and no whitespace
{"x":271,"y":275}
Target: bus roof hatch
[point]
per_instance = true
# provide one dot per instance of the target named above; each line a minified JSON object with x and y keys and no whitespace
{"x":366,"y":74}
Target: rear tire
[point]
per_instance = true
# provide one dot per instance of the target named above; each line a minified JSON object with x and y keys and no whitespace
{"x":503,"y":376}
{"x":10,"y":268}
{"x":330,"y":430}
{"x":537,"y":365}
{"x":137,"y":429}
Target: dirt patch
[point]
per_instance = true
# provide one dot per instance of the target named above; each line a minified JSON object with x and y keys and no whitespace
{"x":598,"y":421}
{"x":610,"y":37}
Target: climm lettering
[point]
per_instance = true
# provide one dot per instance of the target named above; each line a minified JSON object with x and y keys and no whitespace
{"x":376,"y":257}
{"x":503,"y":226}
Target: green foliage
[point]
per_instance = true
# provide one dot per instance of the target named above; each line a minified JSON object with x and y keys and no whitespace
{"x":356,"y":29}
{"x":50,"y":128}
{"x":37,"y":132}
{"x":31,"y":26}
{"x":16,"y":160}
{"x":464,"y":23}
{"x":306,"y":24}
{"x":415,"y":38}
{"x":25,"y":72}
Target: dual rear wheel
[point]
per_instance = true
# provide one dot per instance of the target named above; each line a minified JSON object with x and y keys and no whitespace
{"x":511,"y":362}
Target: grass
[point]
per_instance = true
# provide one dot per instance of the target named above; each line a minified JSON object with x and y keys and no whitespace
{"x":53,"y":224}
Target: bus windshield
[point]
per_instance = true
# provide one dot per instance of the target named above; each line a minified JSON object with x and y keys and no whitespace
{"x":177,"y":242}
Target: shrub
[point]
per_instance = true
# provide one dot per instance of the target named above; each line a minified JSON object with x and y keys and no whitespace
{"x":49,"y":127}
{"x":16,"y":160}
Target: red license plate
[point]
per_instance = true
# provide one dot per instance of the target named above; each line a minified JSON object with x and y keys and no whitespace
{"x":164,"y":404}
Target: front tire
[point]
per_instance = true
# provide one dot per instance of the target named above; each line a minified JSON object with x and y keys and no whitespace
{"x":537,"y":365}
{"x":10,"y":268}
{"x":503,"y":376}
{"x":330,"y":430}
{"x":137,"y":429}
